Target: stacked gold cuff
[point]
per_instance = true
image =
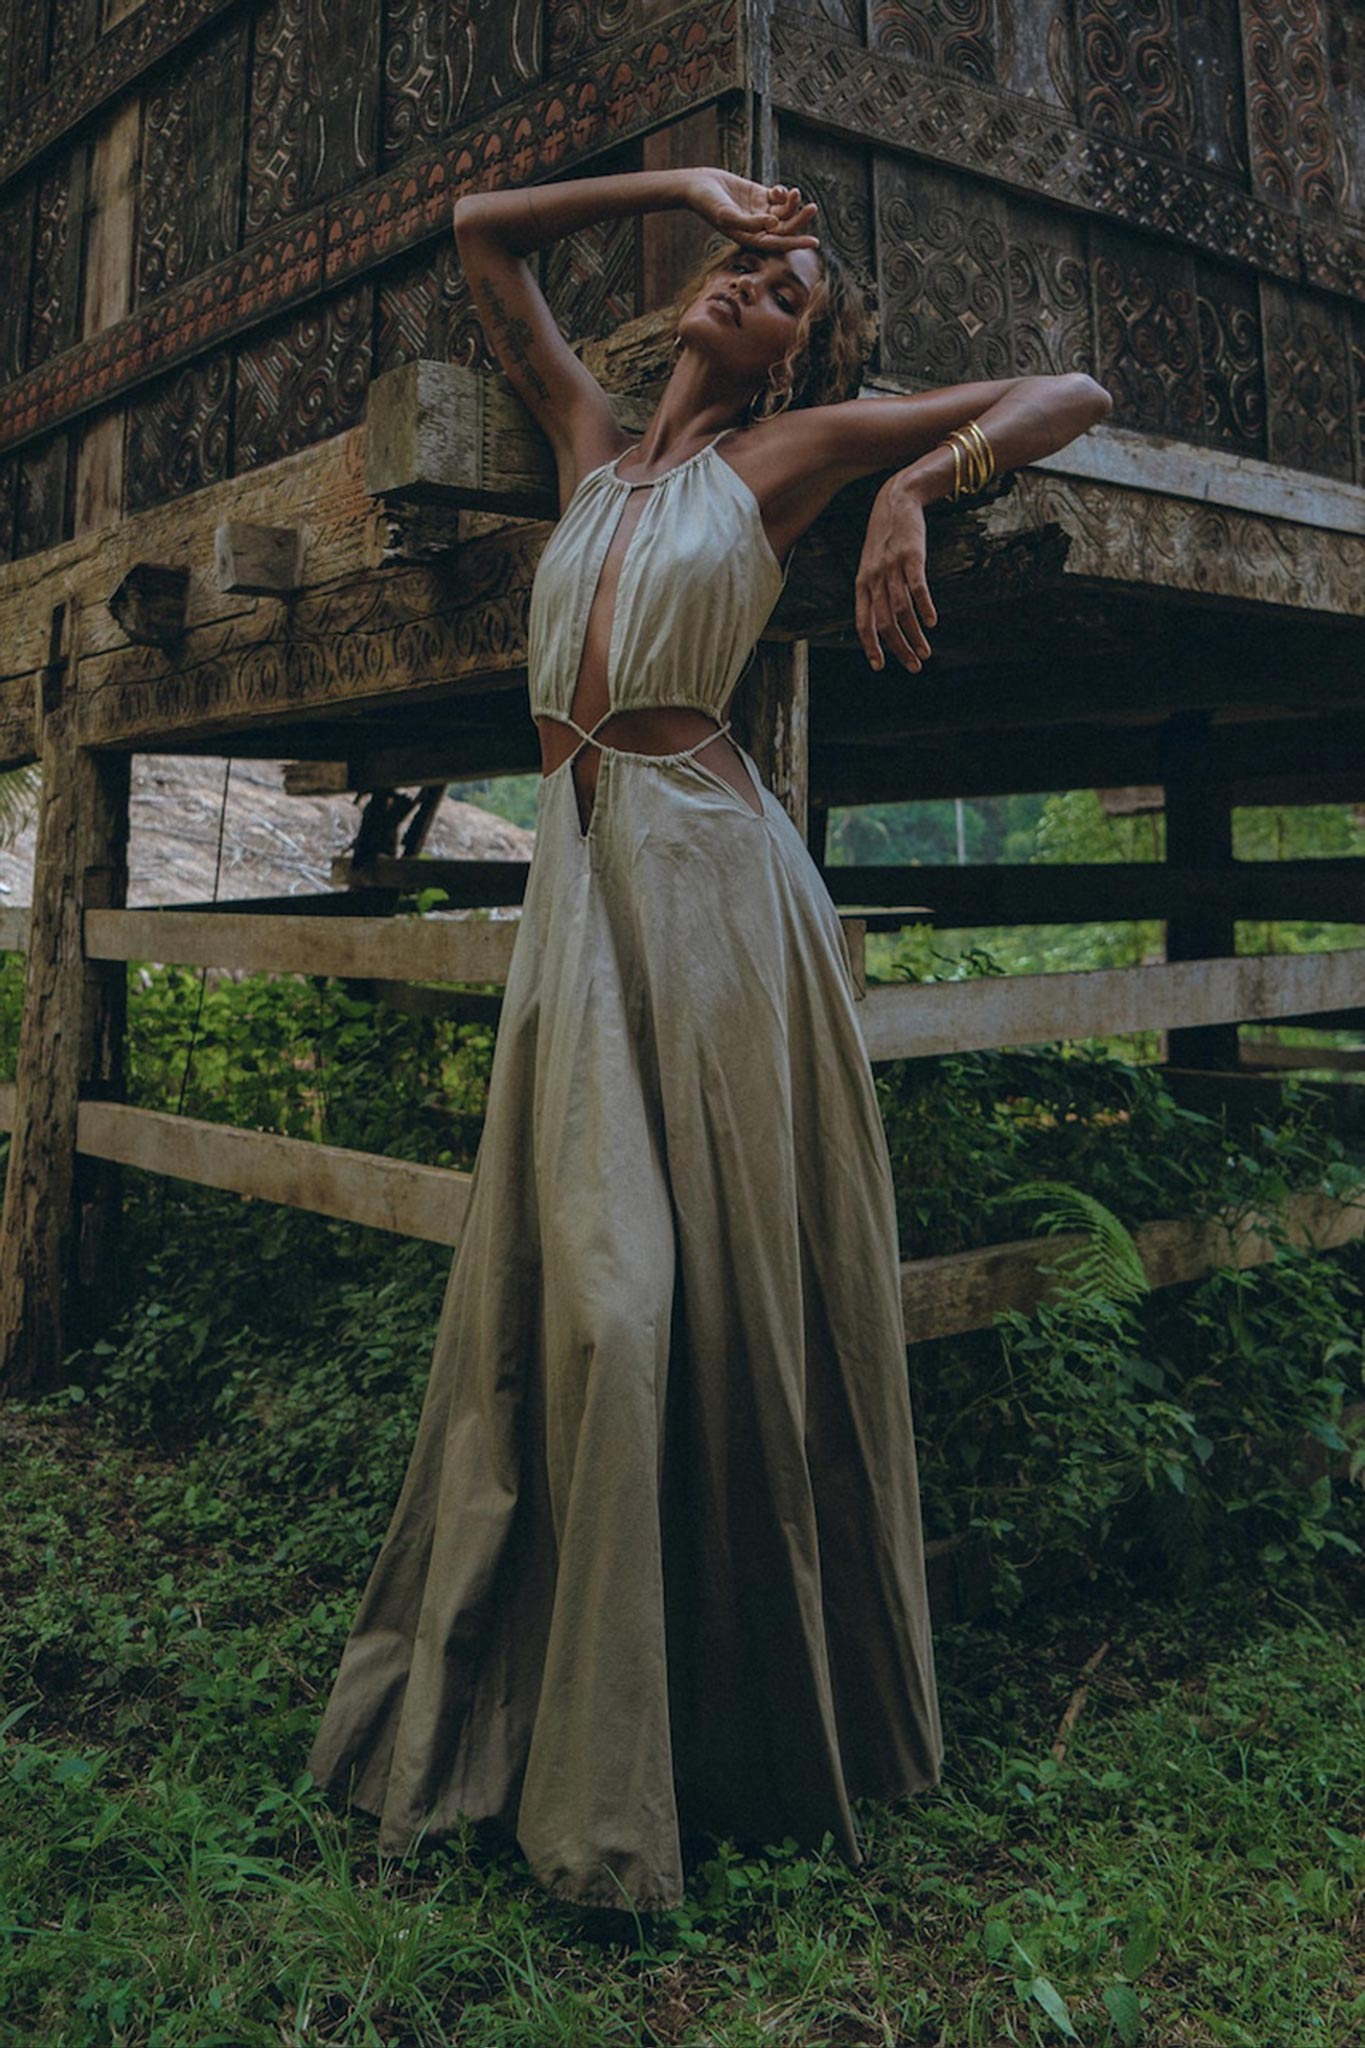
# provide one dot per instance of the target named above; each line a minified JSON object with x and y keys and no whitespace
{"x":970,"y":447}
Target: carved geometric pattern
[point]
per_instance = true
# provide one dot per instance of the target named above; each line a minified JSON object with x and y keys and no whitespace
{"x":189,"y":195}
{"x":1051,"y":320}
{"x":1291,"y":130}
{"x":1135,"y":85}
{"x":178,"y":434}
{"x":589,"y":278}
{"x":685,"y":60}
{"x":577,"y":29}
{"x":16,"y":249}
{"x":40,"y":516}
{"x":54,"y":310}
{"x":838,"y":177}
{"x":942,"y":275}
{"x":952,"y":35}
{"x":1357,"y":324}
{"x":1231,"y":368}
{"x":425,"y":309}
{"x":314,"y":88}
{"x":1185,"y":545}
{"x":101,"y":73}
{"x":306,"y":381}
{"x":1147,"y":333}
{"x":1306,"y":381}
{"x":446,"y":63}
{"x":837,"y":17}
{"x":1021,"y":143}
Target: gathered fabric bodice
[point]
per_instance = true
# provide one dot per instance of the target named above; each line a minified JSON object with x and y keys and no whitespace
{"x":696,"y":587}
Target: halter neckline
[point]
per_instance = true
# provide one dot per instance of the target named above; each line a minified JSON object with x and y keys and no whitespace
{"x":642,"y":483}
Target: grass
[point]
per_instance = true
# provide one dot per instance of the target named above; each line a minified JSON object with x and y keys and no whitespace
{"x":1189,"y":1872}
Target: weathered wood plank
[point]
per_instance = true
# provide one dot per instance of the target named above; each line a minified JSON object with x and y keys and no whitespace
{"x":374,"y":948}
{"x":918,"y":1021}
{"x":943,"y":1297}
{"x":358,"y":1187}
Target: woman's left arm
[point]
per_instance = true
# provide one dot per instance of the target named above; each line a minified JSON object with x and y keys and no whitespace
{"x":1035,"y":416}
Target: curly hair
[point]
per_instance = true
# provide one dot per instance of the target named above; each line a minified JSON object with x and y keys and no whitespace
{"x":835,"y":332}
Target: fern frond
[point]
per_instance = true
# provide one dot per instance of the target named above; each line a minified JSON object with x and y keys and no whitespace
{"x":1109,"y":1263}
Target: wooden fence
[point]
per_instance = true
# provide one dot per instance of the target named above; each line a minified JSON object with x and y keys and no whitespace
{"x":942,"y":1295}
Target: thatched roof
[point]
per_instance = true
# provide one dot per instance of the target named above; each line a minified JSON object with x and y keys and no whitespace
{"x":273,"y":844}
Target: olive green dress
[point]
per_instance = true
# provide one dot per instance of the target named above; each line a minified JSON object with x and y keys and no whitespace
{"x":656,"y":1566}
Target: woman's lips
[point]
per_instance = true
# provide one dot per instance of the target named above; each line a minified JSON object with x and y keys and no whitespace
{"x":728,"y":308}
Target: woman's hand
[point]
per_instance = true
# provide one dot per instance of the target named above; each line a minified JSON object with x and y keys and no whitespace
{"x":892,"y":595}
{"x":756,"y":216}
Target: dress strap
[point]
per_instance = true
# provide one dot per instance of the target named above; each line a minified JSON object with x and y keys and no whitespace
{"x":564,"y":716}
{"x":723,"y":727}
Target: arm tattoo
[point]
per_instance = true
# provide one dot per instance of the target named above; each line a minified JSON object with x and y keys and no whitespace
{"x":516,"y":334}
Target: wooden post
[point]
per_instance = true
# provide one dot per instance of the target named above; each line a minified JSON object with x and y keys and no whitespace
{"x":771,"y":716}
{"x":1198,"y":835}
{"x":58,"y":1227}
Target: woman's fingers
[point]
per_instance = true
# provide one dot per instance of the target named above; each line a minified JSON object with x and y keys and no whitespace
{"x":879,"y":618}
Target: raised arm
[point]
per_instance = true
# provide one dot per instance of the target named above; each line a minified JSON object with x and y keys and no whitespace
{"x":495,"y":231}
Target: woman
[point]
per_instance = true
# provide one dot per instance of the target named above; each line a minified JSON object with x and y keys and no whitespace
{"x":656,"y":1568}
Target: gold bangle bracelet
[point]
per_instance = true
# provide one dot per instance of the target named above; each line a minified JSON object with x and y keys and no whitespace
{"x":978,"y":434}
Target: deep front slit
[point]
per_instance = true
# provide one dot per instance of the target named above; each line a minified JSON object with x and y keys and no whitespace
{"x":596,"y":673}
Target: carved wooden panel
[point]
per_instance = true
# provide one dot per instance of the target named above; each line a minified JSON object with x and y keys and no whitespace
{"x":7,"y":24}
{"x":31,"y":26}
{"x":942,"y":273}
{"x":75,"y":25}
{"x":1307,"y":380}
{"x":446,"y":62}
{"x":838,"y":177}
{"x":1346,"y":69}
{"x":576,"y":29}
{"x":1147,"y":332}
{"x":54,"y":309}
{"x":1291,"y":129}
{"x":16,"y":248}
{"x":1034,"y":51}
{"x":179,"y":433}
{"x":306,"y":380}
{"x":1211,"y":47}
{"x":590,"y":279}
{"x":40,"y":516}
{"x":1051,"y":317}
{"x":1230,"y":359}
{"x":1357,"y":337}
{"x":844,"y":18}
{"x":954,"y":35}
{"x":190,"y":193}
{"x":314,"y":95}
{"x":425,"y":310}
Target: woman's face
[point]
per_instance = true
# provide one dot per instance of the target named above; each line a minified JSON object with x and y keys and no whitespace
{"x":745,"y":315}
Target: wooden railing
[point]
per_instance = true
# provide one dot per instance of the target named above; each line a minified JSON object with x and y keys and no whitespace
{"x":942,"y":1295}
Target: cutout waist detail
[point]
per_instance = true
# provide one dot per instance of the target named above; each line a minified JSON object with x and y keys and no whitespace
{"x":658,"y":729}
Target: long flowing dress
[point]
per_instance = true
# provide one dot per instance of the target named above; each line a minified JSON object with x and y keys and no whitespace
{"x":657,"y":1566}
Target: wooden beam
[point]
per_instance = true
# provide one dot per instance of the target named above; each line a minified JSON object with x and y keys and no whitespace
{"x":771,"y":714}
{"x":941,"y":1296}
{"x":1080,"y":892}
{"x":927,"y":1018}
{"x":149,"y":603}
{"x":944,"y":1297}
{"x":258,"y":561}
{"x":58,"y":1227}
{"x":374,"y":948}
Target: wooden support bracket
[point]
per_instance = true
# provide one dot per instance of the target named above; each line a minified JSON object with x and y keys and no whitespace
{"x":258,"y":561}
{"x":149,"y":603}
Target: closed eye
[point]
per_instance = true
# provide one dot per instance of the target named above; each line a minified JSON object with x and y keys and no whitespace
{"x":783,"y":297}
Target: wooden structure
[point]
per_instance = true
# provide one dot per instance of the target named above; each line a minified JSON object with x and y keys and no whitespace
{"x":263,"y":493}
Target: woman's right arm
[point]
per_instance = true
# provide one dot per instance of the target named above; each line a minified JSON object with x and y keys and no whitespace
{"x":495,"y":231}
